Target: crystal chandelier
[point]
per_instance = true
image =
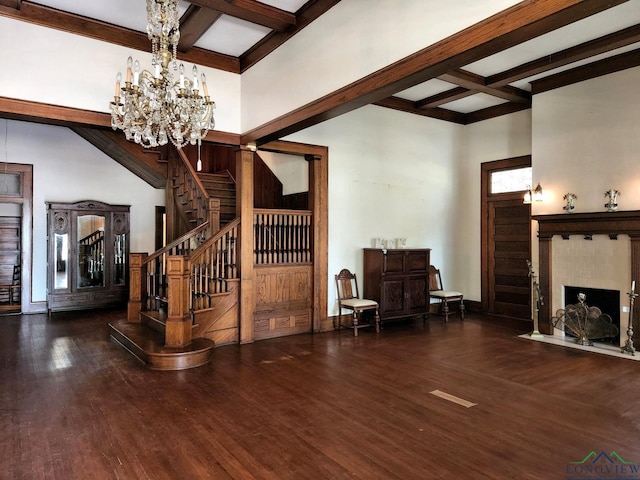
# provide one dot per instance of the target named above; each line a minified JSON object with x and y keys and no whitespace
{"x":151,"y":109}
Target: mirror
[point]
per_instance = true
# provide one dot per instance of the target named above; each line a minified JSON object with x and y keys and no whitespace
{"x":120,"y":259}
{"x":62,"y":261}
{"x":90,"y":250}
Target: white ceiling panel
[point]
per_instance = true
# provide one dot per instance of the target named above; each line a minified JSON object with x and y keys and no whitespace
{"x":291,"y":6}
{"x":232,"y":36}
{"x":473,"y":103}
{"x":424,"y":90}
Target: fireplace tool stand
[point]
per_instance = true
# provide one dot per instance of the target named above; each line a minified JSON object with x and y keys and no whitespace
{"x":537,"y":300}
{"x":628,"y":346}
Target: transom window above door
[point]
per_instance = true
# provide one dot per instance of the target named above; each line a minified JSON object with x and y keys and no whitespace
{"x":513,"y":180}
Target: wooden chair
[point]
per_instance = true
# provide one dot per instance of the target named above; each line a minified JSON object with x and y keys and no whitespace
{"x":444,"y":296}
{"x":349,"y":298}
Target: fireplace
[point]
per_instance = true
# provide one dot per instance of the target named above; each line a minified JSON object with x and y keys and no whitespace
{"x":604,"y":249}
{"x":608,"y":301}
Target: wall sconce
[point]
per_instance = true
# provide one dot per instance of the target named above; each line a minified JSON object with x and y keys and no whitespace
{"x":534,"y":195}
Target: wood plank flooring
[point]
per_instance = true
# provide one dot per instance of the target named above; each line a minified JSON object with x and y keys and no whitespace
{"x":326,"y":406}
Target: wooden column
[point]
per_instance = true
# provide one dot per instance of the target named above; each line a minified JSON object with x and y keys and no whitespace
{"x":178,"y":327}
{"x":318,"y":203}
{"x":137,"y":286}
{"x":244,"y":210}
{"x":546,"y":284}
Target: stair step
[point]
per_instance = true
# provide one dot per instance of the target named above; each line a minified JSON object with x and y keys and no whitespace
{"x":155,"y":320}
{"x":147,"y":346}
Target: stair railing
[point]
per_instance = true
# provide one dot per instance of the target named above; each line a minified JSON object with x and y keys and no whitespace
{"x":212,"y":265}
{"x":148,"y":286}
{"x":190,"y":196}
{"x":282,"y":236}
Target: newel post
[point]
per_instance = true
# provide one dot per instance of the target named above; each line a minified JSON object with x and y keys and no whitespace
{"x":178,"y":327}
{"x":137,"y":290}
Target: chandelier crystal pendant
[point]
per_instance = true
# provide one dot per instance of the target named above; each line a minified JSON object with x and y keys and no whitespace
{"x":151,"y":109}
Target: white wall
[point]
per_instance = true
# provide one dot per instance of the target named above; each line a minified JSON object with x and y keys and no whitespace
{"x":59,"y":68}
{"x":586,"y":140}
{"x":291,"y":170}
{"x":66,"y":168}
{"x":391,"y":174}
{"x":365,"y":36}
{"x":496,"y":139}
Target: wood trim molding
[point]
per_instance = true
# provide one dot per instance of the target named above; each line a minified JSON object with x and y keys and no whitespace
{"x":29,"y":111}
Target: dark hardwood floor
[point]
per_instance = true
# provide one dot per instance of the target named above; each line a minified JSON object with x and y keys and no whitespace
{"x":75,"y":406}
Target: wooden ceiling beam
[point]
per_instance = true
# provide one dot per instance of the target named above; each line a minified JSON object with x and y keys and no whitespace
{"x":307,"y":14}
{"x":602,"y":67}
{"x":444,"y":97}
{"x":193,"y":24}
{"x":15,"y":4}
{"x":515,"y":25}
{"x":252,"y":11}
{"x":495,"y":111}
{"x":585,"y":50}
{"x":28,"y":111}
{"x":475,"y":82}
{"x":408,"y":106}
{"x":76,"y":24}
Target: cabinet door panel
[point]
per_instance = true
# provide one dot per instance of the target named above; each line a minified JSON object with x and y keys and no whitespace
{"x":417,"y":261}
{"x":392,"y":297}
{"x":394,"y":262}
{"x":417,"y":294}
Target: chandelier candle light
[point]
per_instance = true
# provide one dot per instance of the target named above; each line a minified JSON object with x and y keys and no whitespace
{"x":151,"y":109}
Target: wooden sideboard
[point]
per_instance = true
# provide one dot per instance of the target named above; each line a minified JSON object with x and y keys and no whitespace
{"x":398,"y":279}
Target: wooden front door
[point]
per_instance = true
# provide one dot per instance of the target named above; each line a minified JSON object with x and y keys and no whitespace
{"x":506,"y":245}
{"x":509,"y":231}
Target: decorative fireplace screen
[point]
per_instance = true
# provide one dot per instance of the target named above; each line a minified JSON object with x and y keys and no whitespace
{"x":584,"y":322}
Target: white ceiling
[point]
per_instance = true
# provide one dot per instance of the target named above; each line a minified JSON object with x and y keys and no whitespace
{"x":233,"y":37}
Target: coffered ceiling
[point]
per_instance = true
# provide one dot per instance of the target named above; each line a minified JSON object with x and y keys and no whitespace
{"x":232,"y":35}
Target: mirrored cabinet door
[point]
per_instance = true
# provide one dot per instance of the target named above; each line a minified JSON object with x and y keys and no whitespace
{"x":88,"y":255}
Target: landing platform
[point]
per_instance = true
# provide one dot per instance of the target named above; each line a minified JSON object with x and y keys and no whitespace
{"x":148,"y":347}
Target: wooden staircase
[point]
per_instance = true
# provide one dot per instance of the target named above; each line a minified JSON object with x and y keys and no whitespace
{"x":222,"y":187}
{"x":183,"y":298}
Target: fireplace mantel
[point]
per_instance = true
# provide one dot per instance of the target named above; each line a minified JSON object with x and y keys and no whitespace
{"x":607,"y":223}
{"x":587,"y":224}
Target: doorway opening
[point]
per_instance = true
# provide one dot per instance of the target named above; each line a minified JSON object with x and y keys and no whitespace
{"x":506,"y":237}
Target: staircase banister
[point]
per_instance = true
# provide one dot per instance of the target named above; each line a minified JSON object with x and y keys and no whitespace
{"x":177,"y":241}
{"x":281,"y":211}
{"x":214,"y":238}
{"x":228,"y":174}
{"x":194,"y":174}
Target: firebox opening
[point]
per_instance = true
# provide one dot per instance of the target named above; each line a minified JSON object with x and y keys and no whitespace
{"x":608,"y":301}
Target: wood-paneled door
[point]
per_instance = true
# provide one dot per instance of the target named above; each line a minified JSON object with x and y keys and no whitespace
{"x":506,"y":244}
